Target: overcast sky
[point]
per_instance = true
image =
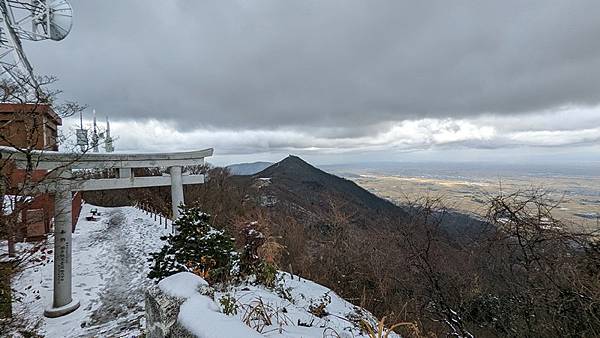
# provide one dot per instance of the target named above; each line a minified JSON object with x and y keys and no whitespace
{"x":338,"y":80}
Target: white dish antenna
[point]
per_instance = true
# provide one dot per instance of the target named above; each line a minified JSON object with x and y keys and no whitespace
{"x":30,"y":20}
{"x":60,"y":14}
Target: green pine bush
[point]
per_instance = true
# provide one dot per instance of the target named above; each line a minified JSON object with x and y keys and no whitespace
{"x":197,"y":247}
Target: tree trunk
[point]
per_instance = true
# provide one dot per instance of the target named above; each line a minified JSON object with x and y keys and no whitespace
{"x":5,"y":293}
{"x":12,"y":251}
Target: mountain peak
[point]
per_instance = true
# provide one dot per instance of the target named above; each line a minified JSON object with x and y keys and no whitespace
{"x":294,"y":160}
{"x":291,"y":165}
{"x":299,"y":183}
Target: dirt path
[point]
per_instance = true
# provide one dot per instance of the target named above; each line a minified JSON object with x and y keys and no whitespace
{"x":120,"y":297}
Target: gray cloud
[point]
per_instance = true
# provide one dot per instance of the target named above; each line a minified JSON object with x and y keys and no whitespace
{"x":496,"y":133}
{"x":335,"y":68}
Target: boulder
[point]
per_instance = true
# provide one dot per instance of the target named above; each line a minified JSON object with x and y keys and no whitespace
{"x":163,"y":301}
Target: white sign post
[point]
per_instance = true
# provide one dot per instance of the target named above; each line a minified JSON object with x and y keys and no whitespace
{"x":62,"y":301}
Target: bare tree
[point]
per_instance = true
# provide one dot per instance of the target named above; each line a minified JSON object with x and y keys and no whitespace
{"x":25,"y":134}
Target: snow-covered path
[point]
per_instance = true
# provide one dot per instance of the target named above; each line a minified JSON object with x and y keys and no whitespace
{"x":110,"y":265}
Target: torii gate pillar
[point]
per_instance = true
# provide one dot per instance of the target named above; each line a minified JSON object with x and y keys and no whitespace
{"x":62,"y":301}
{"x":176,"y":190}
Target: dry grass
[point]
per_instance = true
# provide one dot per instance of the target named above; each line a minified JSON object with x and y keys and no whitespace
{"x":382,"y":332}
{"x":259,"y":315}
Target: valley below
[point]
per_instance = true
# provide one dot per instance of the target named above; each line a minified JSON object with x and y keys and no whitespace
{"x":469,"y":188}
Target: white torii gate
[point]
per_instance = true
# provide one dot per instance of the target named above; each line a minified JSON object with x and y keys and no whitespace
{"x":62,"y":184}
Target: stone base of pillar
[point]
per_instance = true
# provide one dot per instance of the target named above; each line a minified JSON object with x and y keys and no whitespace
{"x":54,"y":312}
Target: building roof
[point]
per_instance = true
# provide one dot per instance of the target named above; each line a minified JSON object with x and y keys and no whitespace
{"x":40,"y":108}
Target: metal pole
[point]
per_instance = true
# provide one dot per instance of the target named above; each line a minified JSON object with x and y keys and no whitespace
{"x":62,"y":301}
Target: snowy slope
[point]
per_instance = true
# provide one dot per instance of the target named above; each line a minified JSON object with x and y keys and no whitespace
{"x":109,"y":277}
{"x":293,"y":304}
{"x":295,"y":308}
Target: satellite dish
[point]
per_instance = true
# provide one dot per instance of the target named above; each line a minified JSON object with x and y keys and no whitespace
{"x":30,"y":20}
{"x":61,"y":19}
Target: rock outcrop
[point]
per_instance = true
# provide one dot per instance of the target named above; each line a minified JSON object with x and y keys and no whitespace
{"x":163,"y":302}
{"x":161,"y":315}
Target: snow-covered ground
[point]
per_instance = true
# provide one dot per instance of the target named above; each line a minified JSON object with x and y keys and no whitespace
{"x":295,"y":308}
{"x":298,"y":308}
{"x":110,"y":265}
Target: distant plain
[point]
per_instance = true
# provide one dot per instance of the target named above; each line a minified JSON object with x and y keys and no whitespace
{"x":467,"y":187}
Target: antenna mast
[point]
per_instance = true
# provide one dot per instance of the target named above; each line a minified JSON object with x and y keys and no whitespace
{"x":108,"y":141}
{"x":82,"y":135}
{"x":95,"y":137}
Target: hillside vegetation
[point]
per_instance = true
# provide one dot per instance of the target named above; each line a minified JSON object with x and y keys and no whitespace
{"x":516,"y":274}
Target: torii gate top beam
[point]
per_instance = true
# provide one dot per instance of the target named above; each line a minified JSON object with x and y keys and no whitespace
{"x":49,"y":160}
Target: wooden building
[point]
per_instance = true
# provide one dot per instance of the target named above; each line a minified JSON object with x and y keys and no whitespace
{"x":36,"y":126}
{"x":24,"y":125}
